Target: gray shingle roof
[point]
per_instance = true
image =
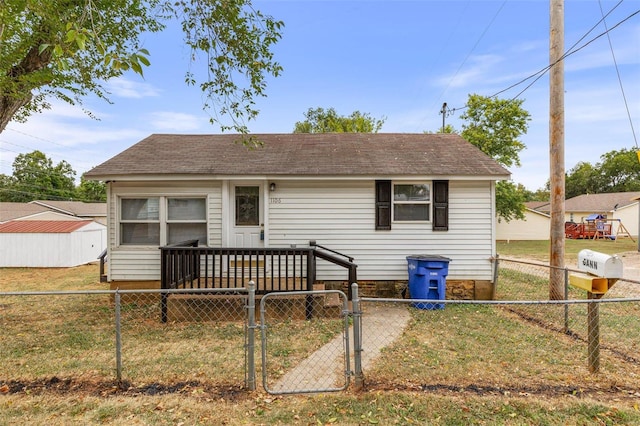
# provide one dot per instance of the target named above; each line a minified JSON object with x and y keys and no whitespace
{"x":10,"y":211}
{"x":75,"y":208}
{"x":327,"y":154}
{"x":597,"y":203}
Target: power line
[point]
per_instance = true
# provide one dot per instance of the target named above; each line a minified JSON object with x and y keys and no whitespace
{"x":4,"y":141}
{"x":568,"y":53}
{"x":624,"y":97}
{"x":571,"y":52}
{"x":473,"y":48}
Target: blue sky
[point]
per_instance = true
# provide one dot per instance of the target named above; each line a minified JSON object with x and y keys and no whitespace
{"x":396,"y":59}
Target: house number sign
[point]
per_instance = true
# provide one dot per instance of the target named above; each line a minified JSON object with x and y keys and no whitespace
{"x":275,"y":200}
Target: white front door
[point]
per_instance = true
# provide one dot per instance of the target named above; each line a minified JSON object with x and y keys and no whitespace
{"x":247,"y":215}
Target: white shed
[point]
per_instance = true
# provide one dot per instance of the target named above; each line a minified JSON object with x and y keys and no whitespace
{"x":51,"y":244}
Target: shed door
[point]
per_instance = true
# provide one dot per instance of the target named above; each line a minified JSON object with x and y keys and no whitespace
{"x":246,"y":215}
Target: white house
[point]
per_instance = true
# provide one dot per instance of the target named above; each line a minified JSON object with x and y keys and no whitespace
{"x":375,"y":197}
{"x":50,"y":243}
{"x":619,"y":208}
{"x":534,"y":226}
{"x":53,"y":210}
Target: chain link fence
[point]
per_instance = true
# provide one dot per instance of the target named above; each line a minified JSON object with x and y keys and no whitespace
{"x":521,"y":342}
{"x":319,"y":341}
{"x":305,"y":341}
{"x":611,"y":318}
{"x":119,"y":336}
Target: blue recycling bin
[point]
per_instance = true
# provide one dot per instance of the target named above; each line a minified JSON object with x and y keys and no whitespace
{"x":428,"y":279}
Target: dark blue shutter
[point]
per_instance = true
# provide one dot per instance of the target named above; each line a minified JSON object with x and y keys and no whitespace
{"x":440,"y":205}
{"x":383,"y":205}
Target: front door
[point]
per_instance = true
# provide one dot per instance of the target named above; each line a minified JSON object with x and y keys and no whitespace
{"x":246,"y":215}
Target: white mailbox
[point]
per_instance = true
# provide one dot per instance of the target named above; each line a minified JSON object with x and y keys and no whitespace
{"x":600,"y":264}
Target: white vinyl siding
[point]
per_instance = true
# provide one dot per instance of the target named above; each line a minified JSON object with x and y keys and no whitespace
{"x":337,"y":214}
{"x":341,"y":215}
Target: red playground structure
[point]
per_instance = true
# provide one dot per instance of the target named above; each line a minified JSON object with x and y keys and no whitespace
{"x":593,"y":227}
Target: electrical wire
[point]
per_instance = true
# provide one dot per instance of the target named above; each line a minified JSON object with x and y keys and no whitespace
{"x":4,"y":141}
{"x":473,"y":48}
{"x":615,"y":62}
{"x":572,"y":50}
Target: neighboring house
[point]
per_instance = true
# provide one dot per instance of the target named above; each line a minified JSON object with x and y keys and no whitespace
{"x":534,"y":226}
{"x":64,"y":210}
{"x":50,"y":243}
{"x":93,"y":211}
{"x":10,"y":211}
{"x":619,"y":208}
{"x":375,"y":197}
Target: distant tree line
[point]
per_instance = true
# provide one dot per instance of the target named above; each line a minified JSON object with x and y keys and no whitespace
{"x":617,"y":171}
{"x":36,"y":177}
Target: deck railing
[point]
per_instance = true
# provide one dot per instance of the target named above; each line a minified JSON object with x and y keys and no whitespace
{"x":187,"y":266}
{"x":272,"y":269}
{"x":103,"y":259}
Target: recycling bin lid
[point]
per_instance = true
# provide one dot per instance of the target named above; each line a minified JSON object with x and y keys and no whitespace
{"x":428,"y":257}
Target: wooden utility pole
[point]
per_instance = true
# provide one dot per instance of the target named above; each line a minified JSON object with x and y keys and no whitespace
{"x":556,"y":149}
{"x":443,"y":111}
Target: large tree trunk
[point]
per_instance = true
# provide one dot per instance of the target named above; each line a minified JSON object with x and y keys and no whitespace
{"x":33,"y":62}
{"x":9,"y":106}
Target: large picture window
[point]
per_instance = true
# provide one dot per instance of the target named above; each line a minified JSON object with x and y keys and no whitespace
{"x":186,"y":220}
{"x":140,"y":221}
{"x":155,"y":221}
{"x":411,"y":202}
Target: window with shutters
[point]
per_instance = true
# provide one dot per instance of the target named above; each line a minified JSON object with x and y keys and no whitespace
{"x":412,"y":202}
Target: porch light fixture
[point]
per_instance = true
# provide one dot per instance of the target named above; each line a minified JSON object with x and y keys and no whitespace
{"x":272,"y":186}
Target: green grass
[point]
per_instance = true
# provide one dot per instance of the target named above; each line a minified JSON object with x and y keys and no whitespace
{"x":465,"y":364}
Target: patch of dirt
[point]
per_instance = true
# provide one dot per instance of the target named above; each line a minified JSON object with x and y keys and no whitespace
{"x":206,"y":392}
{"x":523,"y":390}
{"x":69,"y":386}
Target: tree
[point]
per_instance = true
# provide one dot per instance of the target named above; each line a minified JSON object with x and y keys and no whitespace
{"x":447,"y":129}
{"x":510,"y":200}
{"x":67,"y":50}
{"x":618,"y":171}
{"x":583,"y":178}
{"x":320,"y":121}
{"x":91,"y":190}
{"x":494,"y":126}
{"x":35,"y":177}
{"x":540,"y":194}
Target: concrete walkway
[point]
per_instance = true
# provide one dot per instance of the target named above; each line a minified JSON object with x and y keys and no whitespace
{"x":324,"y":369}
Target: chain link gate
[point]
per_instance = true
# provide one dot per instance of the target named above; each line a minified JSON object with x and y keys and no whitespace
{"x":305,"y":341}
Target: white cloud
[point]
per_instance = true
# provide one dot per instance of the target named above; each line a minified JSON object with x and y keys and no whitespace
{"x":125,"y":88}
{"x":476,"y":69}
{"x":175,"y":121}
